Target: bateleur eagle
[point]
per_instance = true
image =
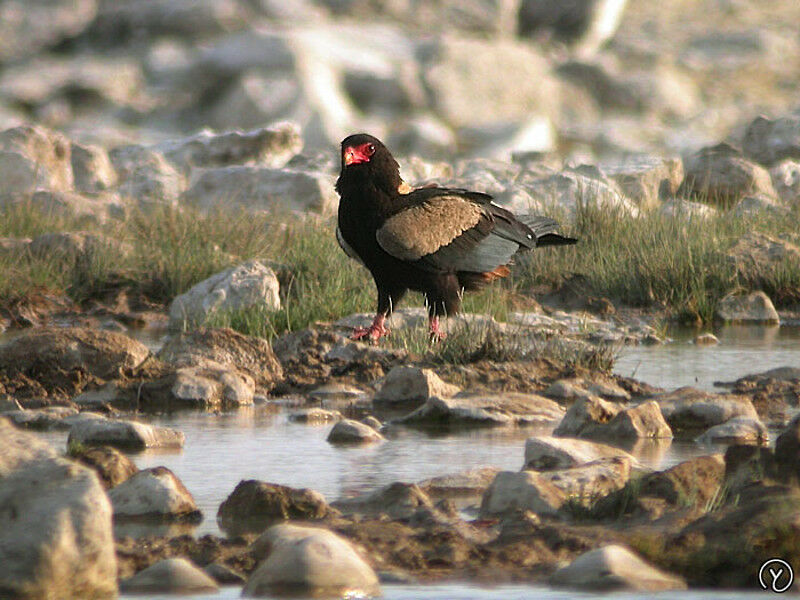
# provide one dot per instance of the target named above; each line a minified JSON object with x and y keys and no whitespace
{"x":438,"y":241}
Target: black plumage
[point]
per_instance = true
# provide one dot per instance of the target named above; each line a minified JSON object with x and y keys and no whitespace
{"x":438,"y":241}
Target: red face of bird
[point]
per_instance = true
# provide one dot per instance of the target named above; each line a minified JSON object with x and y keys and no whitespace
{"x":357,"y":154}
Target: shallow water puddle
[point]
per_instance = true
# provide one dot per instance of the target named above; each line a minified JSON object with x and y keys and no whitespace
{"x":743,"y":350}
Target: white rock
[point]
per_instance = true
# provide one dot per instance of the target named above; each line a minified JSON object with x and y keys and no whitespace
{"x":768,"y":141}
{"x":573,"y":189}
{"x":720,"y":175}
{"x":786,"y":180}
{"x":548,"y":453}
{"x":170,"y":576}
{"x":146,"y":177}
{"x":133,"y":435}
{"x":706,"y":339}
{"x":646,"y":179}
{"x":739,"y":430}
{"x":614,"y":568}
{"x":523,"y":490}
{"x":55,"y":524}
{"x":411,"y":385}
{"x":687,"y":408}
{"x":468,"y":80}
{"x":505,"y":409}
{"x":247,"y":285}
{"x":592,"y":480}
{"x":260,"y":189}
{"x":32,"y":157}
{"x":755,"y":307}
{"x":155,"y":494}
{"x":466,"y":483}
{"x":267,"y":147}
{"x":683,"y":209}
{"x":348,"y":431}
{"x":584,"y":414}
{"x":92,"y":168}
{"x":310,"y":561}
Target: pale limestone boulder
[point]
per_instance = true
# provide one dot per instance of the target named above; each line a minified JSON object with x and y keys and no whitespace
{"x":409,"y":385}
{"x":706,"y":339}
{"x":221,"y":347}
{"x":271,"y":147}
{"x":170,"y":576}
{"x":588,"y":482}
{"x":720,"y":176}
{"x":92,"y":169}
{"x":507,"y":409}
{"x":755,"y":307}
{"x":153,"y":494}
{"x":206,"y":387}
{"x":643,"y":421}
{"x":468,"y":80}
{"x":398,"y":500}
{"x":786,"y":180}
{"x":755,"y":252}
{"x":520,"y":491}
{"x":677,"y":208}
{"x":585,"y":414}
{"x":55,"y":524}
{"x":767,"y":141}
{"x":549,"y":453}
{"x":614,"y":568}
{"x":32,"y":157}
{"x":247,"y":285}
{"x":687,"y":408}
{"x":146,"y":177}
{"x":574,"y":188}
{"x":53,"y":351}
{"x":261,"y":189}
{"x":130,"y":435}
{"x":348,"y":431}
{"x":646,"y":180}
{"x":739,"y":430}
{"x":96,"y":208}
{"x":473,"y":482}
{"x":28,"y":29}
{"x":309,"y":561}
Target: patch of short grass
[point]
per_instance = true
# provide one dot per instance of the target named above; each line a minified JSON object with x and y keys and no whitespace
{"x":679,"y":266}
{"x":660,"y":261}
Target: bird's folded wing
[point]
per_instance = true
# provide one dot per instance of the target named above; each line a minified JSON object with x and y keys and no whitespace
{"x":450,"y":232}
{"x":424,"y":228}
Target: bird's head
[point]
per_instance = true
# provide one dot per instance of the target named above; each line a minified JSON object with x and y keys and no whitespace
{"x":364,"y":157}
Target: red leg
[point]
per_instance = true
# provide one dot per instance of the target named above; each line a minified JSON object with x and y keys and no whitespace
{"x":435,"y":327}
{"x":374,"y":332}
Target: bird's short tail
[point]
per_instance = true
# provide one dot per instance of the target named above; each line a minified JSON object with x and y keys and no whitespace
{"x":546,"y":230}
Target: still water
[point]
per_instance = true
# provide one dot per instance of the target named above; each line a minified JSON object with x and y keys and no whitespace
{"x":742,"y":350}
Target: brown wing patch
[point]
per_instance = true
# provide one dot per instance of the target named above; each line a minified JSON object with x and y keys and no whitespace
{"x":423,"y":229}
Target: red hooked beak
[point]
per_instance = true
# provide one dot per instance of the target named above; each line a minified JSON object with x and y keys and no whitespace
{"x":354,"y":155}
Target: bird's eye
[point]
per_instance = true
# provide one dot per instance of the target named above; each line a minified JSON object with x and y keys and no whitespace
{"x":370,"y":148}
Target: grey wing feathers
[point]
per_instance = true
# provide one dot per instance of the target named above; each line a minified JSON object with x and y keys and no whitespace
{"x":546,"y":230}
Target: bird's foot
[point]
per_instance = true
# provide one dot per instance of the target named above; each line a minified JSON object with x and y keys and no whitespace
{"x":374,"y":332}
{"x":436,"y":333}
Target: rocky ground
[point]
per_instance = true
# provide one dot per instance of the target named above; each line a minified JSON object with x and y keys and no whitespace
{"x":669,"y":143}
